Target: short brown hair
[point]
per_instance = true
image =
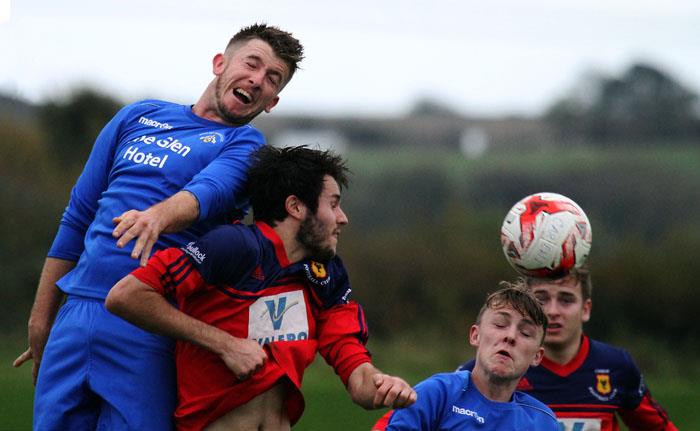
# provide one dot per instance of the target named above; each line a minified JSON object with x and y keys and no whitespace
{"x":518,"y":296}
{"x":580,"y":275}
{"x":283,"y":44}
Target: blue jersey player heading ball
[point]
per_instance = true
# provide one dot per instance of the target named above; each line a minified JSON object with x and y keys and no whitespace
{"x":508,"y":336}
{"x":588,"y":383}
{"x":164,"y":174}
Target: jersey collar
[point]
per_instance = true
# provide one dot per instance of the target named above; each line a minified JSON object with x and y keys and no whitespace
{"x":269,"y":233}
{"x":571,"y":366}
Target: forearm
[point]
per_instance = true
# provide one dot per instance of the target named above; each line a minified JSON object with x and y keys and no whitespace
{"x":174,"y":214}
{"x":178,"y":212}
{"x":48,"y":297}
{"x":141,"y":305}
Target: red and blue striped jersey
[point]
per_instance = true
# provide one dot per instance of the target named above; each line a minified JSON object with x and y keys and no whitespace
{"x":239,"y":279}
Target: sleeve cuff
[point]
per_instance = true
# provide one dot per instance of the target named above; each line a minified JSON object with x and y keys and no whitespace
{"x":68,"y":244}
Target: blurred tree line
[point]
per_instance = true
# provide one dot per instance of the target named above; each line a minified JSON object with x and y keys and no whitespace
{"x":422,"y":243}
{"x":644,"y":105}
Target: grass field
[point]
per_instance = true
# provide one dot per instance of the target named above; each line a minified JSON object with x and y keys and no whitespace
{"x":328,"y":407}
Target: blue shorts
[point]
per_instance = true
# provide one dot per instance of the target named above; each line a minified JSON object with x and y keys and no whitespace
{"x":101,"y":372}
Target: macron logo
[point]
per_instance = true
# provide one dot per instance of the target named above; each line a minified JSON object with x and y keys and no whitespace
{"x":153,"y":123}
{"x":467,"y":412}
{"x":193,"y":251}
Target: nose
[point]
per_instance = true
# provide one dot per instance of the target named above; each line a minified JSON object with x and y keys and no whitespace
{"x":550,"y":308}
{"x":341,"y":218}
{"x":257,"y":76}
{"x":510,"y":334}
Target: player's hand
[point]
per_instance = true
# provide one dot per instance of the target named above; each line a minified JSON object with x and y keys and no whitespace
{"x":392,"y":392}
{"x":27,"y":356}
{"x":244,"y":357}
{"x":146,"y":226}
{"x":33,"y":353}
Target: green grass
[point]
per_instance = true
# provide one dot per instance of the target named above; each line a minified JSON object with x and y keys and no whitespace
{"x":328,"y":406}
{"x":371,"y":162}
{"x":16,"y":390}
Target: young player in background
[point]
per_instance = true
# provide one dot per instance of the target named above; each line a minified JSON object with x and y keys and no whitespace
{"x":255,"y":303}
{"x":508,"y":336}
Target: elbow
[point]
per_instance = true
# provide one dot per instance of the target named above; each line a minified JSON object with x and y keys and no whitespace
{"x":117,"y":299}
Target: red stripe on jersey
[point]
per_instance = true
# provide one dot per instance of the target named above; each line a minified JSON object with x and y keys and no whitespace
{"x":270,"y":234}
{"x":572,"y":365}
{"x":167,"y":270}
{"x":649,"y":415}
{"x":383,"y":421}
{"x":595,"y":407}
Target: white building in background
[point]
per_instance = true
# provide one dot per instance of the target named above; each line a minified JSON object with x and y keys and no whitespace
{"x":473,"y":142}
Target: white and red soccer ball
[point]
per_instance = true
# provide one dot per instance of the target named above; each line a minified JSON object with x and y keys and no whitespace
{"x":546,"y":235}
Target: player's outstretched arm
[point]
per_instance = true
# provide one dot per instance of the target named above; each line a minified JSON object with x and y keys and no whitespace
{"x":46,"y":304}
{"x":138,"y":303}
{"x":371,"y":389}
{"x":174,"y":214}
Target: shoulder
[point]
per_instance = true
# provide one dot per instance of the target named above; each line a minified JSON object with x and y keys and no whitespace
{"x":446,"y":382}
{"x":616,"y":357}
{"x":150,"y":105}
{"x":534,"y":407}
{"x":224,"y":251}
{"x":134,"y":111}
{"x":329,"y":281}
{"x":245,"y":133}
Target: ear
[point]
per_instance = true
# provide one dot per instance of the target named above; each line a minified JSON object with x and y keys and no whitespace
{"x":474,"y":336}
{"x":587,"y":306}
{"x":538,"y":357}
{"x":272,"y":104}
{"x":295,"y":208}
{"x":218,"y":64}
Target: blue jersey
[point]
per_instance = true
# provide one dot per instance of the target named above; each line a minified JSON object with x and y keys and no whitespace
{"x":598,"y":382}
{"x":450,"y":401}
{"x":148,"y":152}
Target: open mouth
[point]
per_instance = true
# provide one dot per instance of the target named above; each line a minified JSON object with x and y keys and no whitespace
{"x":554,"y":327}
{"x":242,"y":95}
{"x":504,"y":353}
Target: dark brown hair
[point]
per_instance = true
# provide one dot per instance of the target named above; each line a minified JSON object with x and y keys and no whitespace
{"x":283,"y":44}
{"x":518,"y":296}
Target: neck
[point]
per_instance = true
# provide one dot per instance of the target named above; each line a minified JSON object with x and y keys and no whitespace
{"x":287,"y":233}
{"x":493,"y":387}
{"x":563,"y":353}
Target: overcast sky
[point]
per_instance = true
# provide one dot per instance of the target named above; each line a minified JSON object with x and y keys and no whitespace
{"x":363,"y":57}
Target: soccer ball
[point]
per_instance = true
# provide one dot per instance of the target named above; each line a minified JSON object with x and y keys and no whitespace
{"x":546,"y":235}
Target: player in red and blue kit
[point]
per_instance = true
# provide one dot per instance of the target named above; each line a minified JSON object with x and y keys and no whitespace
{"x":156,"y":167}
{"x":253,"y":304}
{"x":586,"y":382}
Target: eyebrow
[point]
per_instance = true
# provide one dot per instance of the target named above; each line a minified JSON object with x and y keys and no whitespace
{"x":527,"y":322}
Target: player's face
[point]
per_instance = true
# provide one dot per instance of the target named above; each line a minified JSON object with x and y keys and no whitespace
{"x":507,"y":344}
{"x":566,"y":311}
{"x":249,"y":76}
{"x":319,"y":232}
